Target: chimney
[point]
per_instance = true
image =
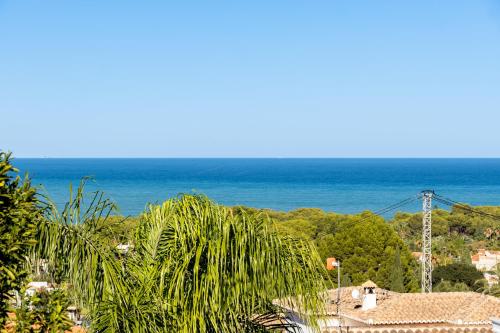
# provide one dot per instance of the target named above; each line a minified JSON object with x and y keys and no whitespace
{"x":369,"y":296}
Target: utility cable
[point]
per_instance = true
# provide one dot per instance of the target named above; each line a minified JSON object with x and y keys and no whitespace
{"x":453,"y":203}
{"x":392,"y":207}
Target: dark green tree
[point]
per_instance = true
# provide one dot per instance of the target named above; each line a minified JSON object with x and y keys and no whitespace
{"x":456,"y":272}
{"x":345,"y":281}
{"x":365,"y":247}
{"x":18,"y":216}
{"x":397,"y":278}
{"x":447,"y":286}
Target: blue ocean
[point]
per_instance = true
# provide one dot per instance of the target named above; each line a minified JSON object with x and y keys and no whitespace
{"x":337,"y":185}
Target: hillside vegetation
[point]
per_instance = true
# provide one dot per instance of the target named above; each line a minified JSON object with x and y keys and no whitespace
{"x":456,"y":233}
{"x":370,"y":247}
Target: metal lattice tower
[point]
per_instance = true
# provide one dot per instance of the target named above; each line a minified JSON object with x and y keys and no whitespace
{"x":427,"y":241}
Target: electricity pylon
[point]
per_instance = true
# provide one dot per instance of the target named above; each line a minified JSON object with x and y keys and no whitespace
{"x":427,"y":241}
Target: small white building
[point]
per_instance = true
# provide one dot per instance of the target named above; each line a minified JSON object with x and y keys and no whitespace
{"x":485,"y":260}
{"x":35,"y":286}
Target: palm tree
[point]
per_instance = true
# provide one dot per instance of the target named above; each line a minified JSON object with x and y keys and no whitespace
{"x":195,"y":267}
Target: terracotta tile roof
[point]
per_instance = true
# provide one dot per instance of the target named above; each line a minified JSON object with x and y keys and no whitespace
{"x":458,"y":308}
{"x":410,"y":329}
{"x":350,"y":304}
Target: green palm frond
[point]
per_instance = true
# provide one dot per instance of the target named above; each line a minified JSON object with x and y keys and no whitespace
{"x":195,"y":267}
{"x":221,"y":268}
{"x":68,"y":240}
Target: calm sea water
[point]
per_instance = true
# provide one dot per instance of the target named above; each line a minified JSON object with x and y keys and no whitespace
{"x":340,"y":185}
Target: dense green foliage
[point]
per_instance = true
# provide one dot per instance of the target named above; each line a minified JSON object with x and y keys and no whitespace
{"x":366,"y":245}
{"x":358,"y":241}
{"x":482,"y":286}
{"x":455,"y":233}
{"x":119,"y":230}
{"x":456,"y":273}
{"x":448,"y":286}
{"x":195,"y":267}
{"x":18,"y":215}
{"x":44,"y":312}
{"x":397,"y":275}
{"x":367,"y":250}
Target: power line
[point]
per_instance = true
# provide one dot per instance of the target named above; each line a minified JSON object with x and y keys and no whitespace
{"x":436,"y":197}
{"x":392,"y":207}
{"x":395,"y":206}
{"x":453,"y":203}
{"x":427,"y":197}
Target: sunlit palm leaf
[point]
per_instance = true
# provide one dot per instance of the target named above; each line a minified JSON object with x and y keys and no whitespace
{"x":196,"y":267}
{"x":222,"y":268}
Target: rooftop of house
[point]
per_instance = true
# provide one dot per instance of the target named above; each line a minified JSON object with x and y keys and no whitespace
{"x":450,"y":309}
{"x":487,"y":253}
{"x":456,"y":308}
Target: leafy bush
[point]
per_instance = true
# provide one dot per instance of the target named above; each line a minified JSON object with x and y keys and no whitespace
{"x":18,"y":216}
{"x":44,"y":312}
{"x":457,"y":273}
{"x":448,"y":286}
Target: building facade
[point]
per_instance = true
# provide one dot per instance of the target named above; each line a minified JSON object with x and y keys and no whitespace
{"x":486,"y":260}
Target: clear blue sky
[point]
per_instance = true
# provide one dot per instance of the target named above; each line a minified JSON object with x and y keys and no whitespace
{"x":250,"y":78}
